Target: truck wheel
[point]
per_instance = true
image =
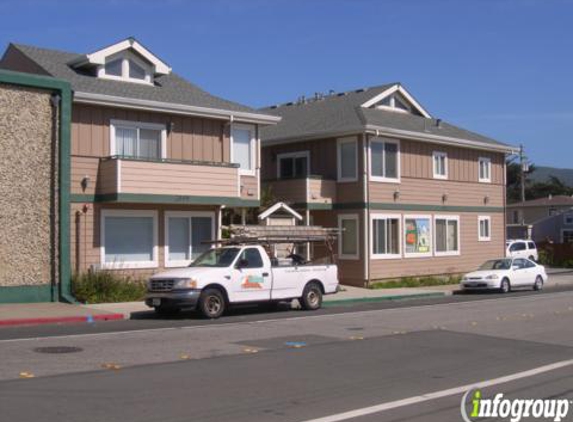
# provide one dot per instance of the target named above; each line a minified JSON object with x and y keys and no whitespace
{"x":212,"y":303}
{"x":311,"y":299}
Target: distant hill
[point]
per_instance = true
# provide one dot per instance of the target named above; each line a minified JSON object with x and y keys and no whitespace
{"x":541,"y":174}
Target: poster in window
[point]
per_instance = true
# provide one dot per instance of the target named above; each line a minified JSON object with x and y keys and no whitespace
{"x":418,"y":235}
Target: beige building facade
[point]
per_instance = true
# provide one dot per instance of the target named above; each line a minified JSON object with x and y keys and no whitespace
{"x":412,"y":195}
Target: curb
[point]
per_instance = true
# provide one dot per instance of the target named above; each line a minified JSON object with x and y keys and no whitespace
{"x":383,"y":298}
{"x":61,"y":320}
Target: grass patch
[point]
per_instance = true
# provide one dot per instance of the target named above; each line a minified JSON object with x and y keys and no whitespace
{"x":416,"y":282}
{"x":107,"y":287}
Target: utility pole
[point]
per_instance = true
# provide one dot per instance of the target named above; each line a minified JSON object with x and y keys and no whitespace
{"x":523,"y":169}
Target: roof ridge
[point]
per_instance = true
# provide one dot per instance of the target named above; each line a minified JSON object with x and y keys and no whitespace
{"x":330,"y":96}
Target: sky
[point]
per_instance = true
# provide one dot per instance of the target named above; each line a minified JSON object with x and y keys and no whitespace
{"x":503,"y":68}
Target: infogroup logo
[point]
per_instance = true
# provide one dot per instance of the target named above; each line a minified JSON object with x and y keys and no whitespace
{"x":514,"y":410}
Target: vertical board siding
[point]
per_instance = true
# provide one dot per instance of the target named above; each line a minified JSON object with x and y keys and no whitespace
{"x":192,"y":138}
{"x":322,"y":191}
{"x":85,"y":232}
{"x":472,"y":252}
{"x":249,"y":187}
{"x":290,"y":191}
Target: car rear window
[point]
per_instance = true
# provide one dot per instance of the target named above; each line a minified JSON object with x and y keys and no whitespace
{"x":518,"y":246}
{"x":531,"y":245}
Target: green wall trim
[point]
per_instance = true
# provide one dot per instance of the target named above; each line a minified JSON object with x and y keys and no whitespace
{"x":63,"y":89}
{"x":21,"y":294}
{"x":398,"y":207}
{"x":135,"y":198}
{"x":312,"y":206}
{"x":435,"y":208}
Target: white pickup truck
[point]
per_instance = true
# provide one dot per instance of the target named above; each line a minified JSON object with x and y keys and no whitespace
{"x":239,"y":274}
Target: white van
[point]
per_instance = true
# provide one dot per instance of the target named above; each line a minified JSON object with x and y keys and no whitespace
{"x":519,"y":248}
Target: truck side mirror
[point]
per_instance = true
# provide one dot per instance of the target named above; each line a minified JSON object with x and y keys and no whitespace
{"x":242,"y":263}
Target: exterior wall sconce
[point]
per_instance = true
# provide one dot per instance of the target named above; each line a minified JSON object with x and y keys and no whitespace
{"x":85,"y":182}
{"x":444,"y":197}
{"x":396,"y":195}
{"x":486,"y":199}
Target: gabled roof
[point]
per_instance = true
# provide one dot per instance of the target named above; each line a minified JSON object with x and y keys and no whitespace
{"x":167,"y":89}
{"x":276,"y":207}
{"x":549,"y":201}
{"x":345,"y":113}
{"x":99,"y":57}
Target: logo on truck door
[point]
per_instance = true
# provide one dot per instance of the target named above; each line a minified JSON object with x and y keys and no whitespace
{"x":253,"y":282}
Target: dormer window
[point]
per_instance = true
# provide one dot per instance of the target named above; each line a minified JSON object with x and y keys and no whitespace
{"x":126,"y":60}
{"x":127,"y":67}
{"x":394,"y":103}
{"x":396,"y":98}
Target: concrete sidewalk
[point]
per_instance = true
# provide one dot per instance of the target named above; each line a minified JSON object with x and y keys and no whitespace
{"x":348,"y":296}
{"x":60,"y":313}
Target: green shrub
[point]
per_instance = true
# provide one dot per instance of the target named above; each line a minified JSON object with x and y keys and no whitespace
{"x":416,"y":282}
{"x":107,"y":287}
{"x":545,"y":258}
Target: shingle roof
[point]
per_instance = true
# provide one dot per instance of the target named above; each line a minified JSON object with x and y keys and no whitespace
{"x":168,"y":88}
{"x":342,"y":113}
{"x":557,"y":200}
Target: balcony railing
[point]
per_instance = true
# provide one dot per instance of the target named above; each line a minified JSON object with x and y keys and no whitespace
{"x":309,"y":190}
{"x":119,"y":174}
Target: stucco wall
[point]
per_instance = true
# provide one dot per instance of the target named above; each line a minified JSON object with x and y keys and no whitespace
{"x":27,"y":197}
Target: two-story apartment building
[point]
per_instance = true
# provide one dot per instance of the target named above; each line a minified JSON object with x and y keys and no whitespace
{"x":413,"y":195}
{"x":154,"y":158}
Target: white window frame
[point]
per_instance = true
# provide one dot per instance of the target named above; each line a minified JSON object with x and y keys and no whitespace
{"x":297,"y":154}
{"x":125,"y":57}
{"x":563,"y":234}
{"x":568,"y":215}
{"x":251,"y":128}
{"x":188,"y":215}
{"x":480,"y":219}
{"x":113,"y":124}
{"x":154,"y":263}
{"x":455,"y":218}
{"x":356,"y":218}
{"x":436,"y":154}
{"x":486,"y":160}
{"x":431,"y":225}
{"x":376,"y":216}
{"x":384,"y":179}
{"x":339,"y":143}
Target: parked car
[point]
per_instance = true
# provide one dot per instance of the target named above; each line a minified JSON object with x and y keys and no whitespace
{"x":506,"y":274}
{"x":239,"y":274}
{"x":521,"y":249}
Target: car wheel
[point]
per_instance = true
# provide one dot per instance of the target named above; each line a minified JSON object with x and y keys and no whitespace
{"x":505,"y":287}
{"x":538,"y":285}
{"x":166,"y":310}
{"x":212,"y":303}
{"x":311,"y":299}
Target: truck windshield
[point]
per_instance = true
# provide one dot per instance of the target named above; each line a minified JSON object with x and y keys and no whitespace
{"x":222,"y":257}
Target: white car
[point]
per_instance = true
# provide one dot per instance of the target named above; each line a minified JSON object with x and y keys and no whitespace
{"x":239,"y":274}
{"x":506,"y":274}
{"x":521,"y":249}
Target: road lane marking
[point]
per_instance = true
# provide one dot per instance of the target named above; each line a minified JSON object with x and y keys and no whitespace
{"x":356,"y":413}
{"x":289,"y":319}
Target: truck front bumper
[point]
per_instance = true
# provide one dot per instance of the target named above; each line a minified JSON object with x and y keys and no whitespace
{"x":175,"y":299}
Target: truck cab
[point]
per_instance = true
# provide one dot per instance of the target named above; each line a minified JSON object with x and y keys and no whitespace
{"x":236,"y":274}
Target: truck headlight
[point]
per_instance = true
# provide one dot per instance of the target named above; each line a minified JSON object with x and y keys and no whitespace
{"x":185,"y":283}
{"x":492,"y":277}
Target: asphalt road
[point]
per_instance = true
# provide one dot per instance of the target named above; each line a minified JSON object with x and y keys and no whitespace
{"x":295,"y":366}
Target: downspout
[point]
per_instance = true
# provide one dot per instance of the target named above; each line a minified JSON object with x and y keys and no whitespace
{"x":64,"y":195}
{"x":55,"y":99}
{"x":365,"y":180}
